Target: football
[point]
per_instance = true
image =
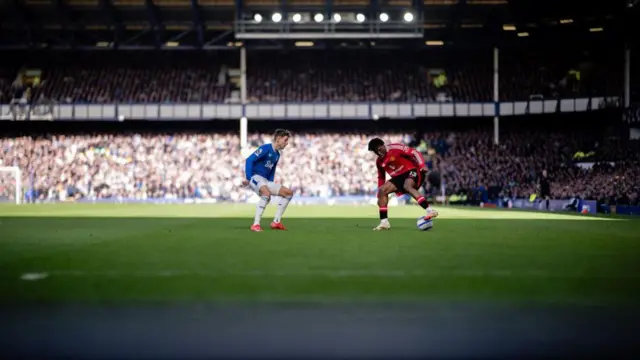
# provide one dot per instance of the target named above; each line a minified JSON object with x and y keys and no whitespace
{"x":424,"y":225}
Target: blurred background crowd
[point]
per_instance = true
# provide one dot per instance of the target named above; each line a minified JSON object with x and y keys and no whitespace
{"x":347,"y":76}
{"x":210,"y":165}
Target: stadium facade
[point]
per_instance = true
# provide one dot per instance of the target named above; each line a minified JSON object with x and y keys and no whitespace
{"x":468,"y":61}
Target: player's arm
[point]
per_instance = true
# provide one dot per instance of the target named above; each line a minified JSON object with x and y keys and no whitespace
{"x":248,"y":165}
{"x":382,"y":176}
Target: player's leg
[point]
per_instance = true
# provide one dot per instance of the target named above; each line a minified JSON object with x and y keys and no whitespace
{"x":547,"y":200}
{"x":383,"y":201}
{"x":285,"y":197}
{"x":260,"y":187}
{"x":411,"y":186}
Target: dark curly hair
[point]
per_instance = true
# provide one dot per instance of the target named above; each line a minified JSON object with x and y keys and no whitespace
{"x":375,"y":143}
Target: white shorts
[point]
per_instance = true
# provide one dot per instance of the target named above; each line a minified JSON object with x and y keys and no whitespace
{"x":258,"y":181}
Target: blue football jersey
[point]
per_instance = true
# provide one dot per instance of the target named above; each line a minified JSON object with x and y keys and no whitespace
{"x":262,"y":162}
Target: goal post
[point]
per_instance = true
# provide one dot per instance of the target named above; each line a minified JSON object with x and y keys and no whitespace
{"x":14,"y":176}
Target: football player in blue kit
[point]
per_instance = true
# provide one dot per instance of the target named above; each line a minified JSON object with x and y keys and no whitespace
{"x":260,"y":171}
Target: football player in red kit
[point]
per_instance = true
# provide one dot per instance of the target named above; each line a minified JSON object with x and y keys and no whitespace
{"x":408,"y":172}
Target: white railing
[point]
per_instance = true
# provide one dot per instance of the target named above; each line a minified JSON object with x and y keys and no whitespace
{"x":295,"y":111}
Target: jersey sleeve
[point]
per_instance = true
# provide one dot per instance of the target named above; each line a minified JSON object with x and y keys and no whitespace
{"x":381,"y":175}
{"x":248,"y":165}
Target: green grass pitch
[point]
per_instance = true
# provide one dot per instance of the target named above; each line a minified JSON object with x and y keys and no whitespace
{"x":74,"y":252}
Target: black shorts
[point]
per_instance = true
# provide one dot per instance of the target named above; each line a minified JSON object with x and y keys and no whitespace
{"x":398,"y":181}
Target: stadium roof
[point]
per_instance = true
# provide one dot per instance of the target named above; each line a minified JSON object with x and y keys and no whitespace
{"x":213,"y":24}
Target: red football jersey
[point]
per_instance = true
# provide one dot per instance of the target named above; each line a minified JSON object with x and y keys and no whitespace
{"x":398,"y":160}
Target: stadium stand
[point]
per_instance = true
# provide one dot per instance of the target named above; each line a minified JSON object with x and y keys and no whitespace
{"x":172,"y":165}
{"x":326,"y":164}
{"x":345,"y":76}
{"x":139,"y":77}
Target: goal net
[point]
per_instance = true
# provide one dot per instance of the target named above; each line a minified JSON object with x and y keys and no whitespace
{"x":10,"y":185}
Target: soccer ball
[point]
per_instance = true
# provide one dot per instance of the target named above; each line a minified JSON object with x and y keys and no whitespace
{"x":424,"y":225}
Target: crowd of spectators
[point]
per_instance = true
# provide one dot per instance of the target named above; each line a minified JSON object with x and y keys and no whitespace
{"x":345,"y":76}
{"x":211,"y":166}
{"x":513,"y":168}
{"x":324,"y":164}
{"x":137,"y":77}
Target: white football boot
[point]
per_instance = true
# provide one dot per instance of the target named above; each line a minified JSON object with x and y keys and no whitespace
{"x":384,"y":225}
{"x":431,"y":213}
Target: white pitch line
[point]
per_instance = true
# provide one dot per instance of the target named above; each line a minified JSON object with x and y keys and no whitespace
{"x":34,"y":276}
{"x":322,"y":273}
